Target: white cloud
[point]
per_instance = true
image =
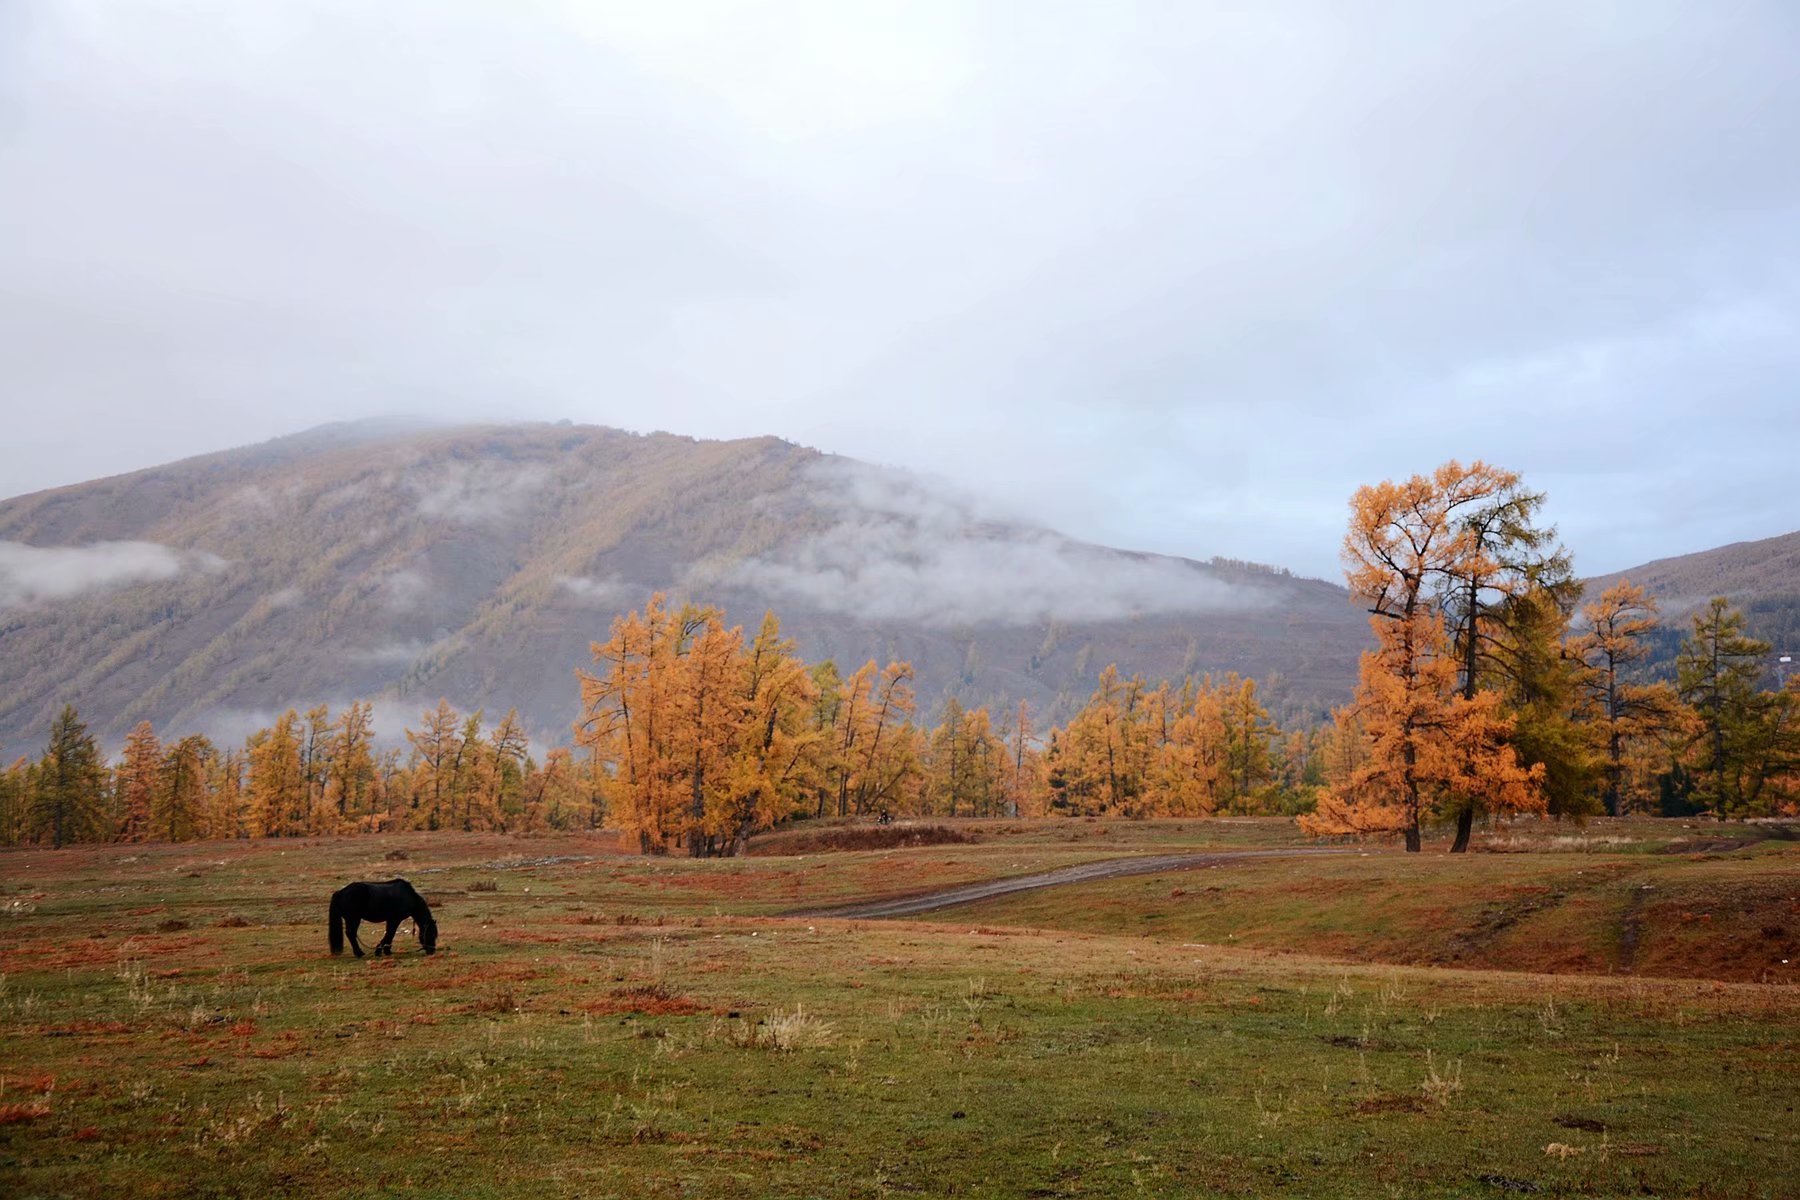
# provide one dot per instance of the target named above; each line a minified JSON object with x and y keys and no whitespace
{"x":902,"y":553}
{"x":610,"y":592}
{"x":29,"y":574}
{"x":405,"y":590}
{"x":392,"y":653}
{"x":478,"y":493}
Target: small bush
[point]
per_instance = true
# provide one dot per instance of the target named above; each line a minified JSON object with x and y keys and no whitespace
{"x":234,"y":922}
{"x":396,"y":856}
{"x":171,"y":926}
{"x":485,"y":885}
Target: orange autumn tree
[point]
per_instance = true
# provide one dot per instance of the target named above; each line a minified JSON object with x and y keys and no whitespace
{"x":1625,"y":714}
{"x":136,"y":782}
{"x":700,"y":740}
{"x":1427,"y":748}
{"x":872,"y":755}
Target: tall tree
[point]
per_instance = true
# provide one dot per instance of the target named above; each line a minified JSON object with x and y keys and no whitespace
{"x":508,"y":749}
{"x":15,"y":802}
{"x":1430,"y":749}
{"x":277,"y":788}
{"x":136,"y":783}
{"x":1024,"y":784}
{"x":183,"y":788}
{"x":226,"y":787}
{"x":69,"y":787}
{"x":434,"y":747}
{"x":1614,"y":640}
{"x":1249,"y":732}
{"x":315,"y":764}
{"x":1738,"y":748}
{"x":350,"y":765}
{"x":874,"y":747}
{"x":1501,"y":590}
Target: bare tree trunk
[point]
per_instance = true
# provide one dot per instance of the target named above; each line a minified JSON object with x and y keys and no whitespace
{"x":1465,"y":825}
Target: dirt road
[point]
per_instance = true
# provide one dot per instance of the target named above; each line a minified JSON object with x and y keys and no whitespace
{"x":1088,"y":872}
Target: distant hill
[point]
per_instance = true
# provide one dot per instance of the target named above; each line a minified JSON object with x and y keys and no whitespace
{"x":1762,"y":578}
{"x":403,"y":562}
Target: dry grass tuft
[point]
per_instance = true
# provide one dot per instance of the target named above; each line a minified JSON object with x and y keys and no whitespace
{"x":785,"y":1032}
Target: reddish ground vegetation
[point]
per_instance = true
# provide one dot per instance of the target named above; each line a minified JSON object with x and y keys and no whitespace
{"x":858,"y":837}
{"x":648,"y":999}
{"x":15,"y":1114}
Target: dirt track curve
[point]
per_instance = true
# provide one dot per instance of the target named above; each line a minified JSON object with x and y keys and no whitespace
{"x":1088,"y":872}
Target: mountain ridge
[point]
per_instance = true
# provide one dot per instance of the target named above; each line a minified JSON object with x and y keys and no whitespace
{"x":392,"y":561}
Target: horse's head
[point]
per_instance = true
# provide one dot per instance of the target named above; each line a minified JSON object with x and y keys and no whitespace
{"x":427,"y":928}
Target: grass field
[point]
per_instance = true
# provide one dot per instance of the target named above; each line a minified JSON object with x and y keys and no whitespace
{"x":600,"y":1025}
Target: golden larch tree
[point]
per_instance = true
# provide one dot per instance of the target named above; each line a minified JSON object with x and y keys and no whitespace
{"x":1428,"y":749}
{"x":135,"y":787}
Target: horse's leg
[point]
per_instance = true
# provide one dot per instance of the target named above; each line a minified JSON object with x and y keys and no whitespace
{"x":387,"y":943}
{"x":350,"y":927}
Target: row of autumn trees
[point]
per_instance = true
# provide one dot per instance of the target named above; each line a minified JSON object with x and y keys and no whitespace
{"x":702,"y":738}
{"x":312,"y":773}
{"x":691,"y":738}
{"x":1492,"y":689}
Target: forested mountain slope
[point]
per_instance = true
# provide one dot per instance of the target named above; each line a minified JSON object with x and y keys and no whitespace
{"x":1762,"y":578}
{"x":403,"y":563}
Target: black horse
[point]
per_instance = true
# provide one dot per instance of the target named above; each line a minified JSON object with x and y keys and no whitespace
{"x":393,"y":902}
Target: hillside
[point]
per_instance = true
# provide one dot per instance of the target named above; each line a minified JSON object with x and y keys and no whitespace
{"x":404,"y":562}
{"x":1761,"y":578}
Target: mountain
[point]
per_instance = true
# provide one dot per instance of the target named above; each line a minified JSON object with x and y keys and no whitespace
{"x":404,"y":562}
{"x":1761,"y":578}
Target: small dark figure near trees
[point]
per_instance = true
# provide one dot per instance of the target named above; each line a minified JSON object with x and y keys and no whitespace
{"x":393,"y":902}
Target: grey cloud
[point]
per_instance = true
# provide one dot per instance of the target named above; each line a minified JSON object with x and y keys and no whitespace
{"x":1171,"y":276}
{"x":29,"y":574}
{"x":915,"y":555}
{"x":392,"y":653}
{"x":405,"y":590}
{"x":610,"y":592}
{"x":478,"y":493}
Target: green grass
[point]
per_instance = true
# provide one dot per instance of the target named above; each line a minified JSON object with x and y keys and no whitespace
{"x":567,"y":1044}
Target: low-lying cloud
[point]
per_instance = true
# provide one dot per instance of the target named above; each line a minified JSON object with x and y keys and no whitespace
{"x":597,"y":593}
{"x":29,"y":574}
{"x":478,"y":493}
{"x":900,"y":552}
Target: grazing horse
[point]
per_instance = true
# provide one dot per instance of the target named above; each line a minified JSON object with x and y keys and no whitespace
{"x":393,"y":902}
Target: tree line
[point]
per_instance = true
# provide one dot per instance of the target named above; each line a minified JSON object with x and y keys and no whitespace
{"x":690,"y":739}
{"x":702,"y":738}
{"x":305,"y":774}
{"x":1491,"y":689}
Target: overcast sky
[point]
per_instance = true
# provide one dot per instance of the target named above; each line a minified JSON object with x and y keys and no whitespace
{"x":1171,"y":276}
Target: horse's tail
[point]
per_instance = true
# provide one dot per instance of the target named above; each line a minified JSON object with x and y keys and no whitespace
{"x":337,"y":923}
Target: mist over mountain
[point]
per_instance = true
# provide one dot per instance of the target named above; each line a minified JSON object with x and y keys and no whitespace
{"x":402,"y":561}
